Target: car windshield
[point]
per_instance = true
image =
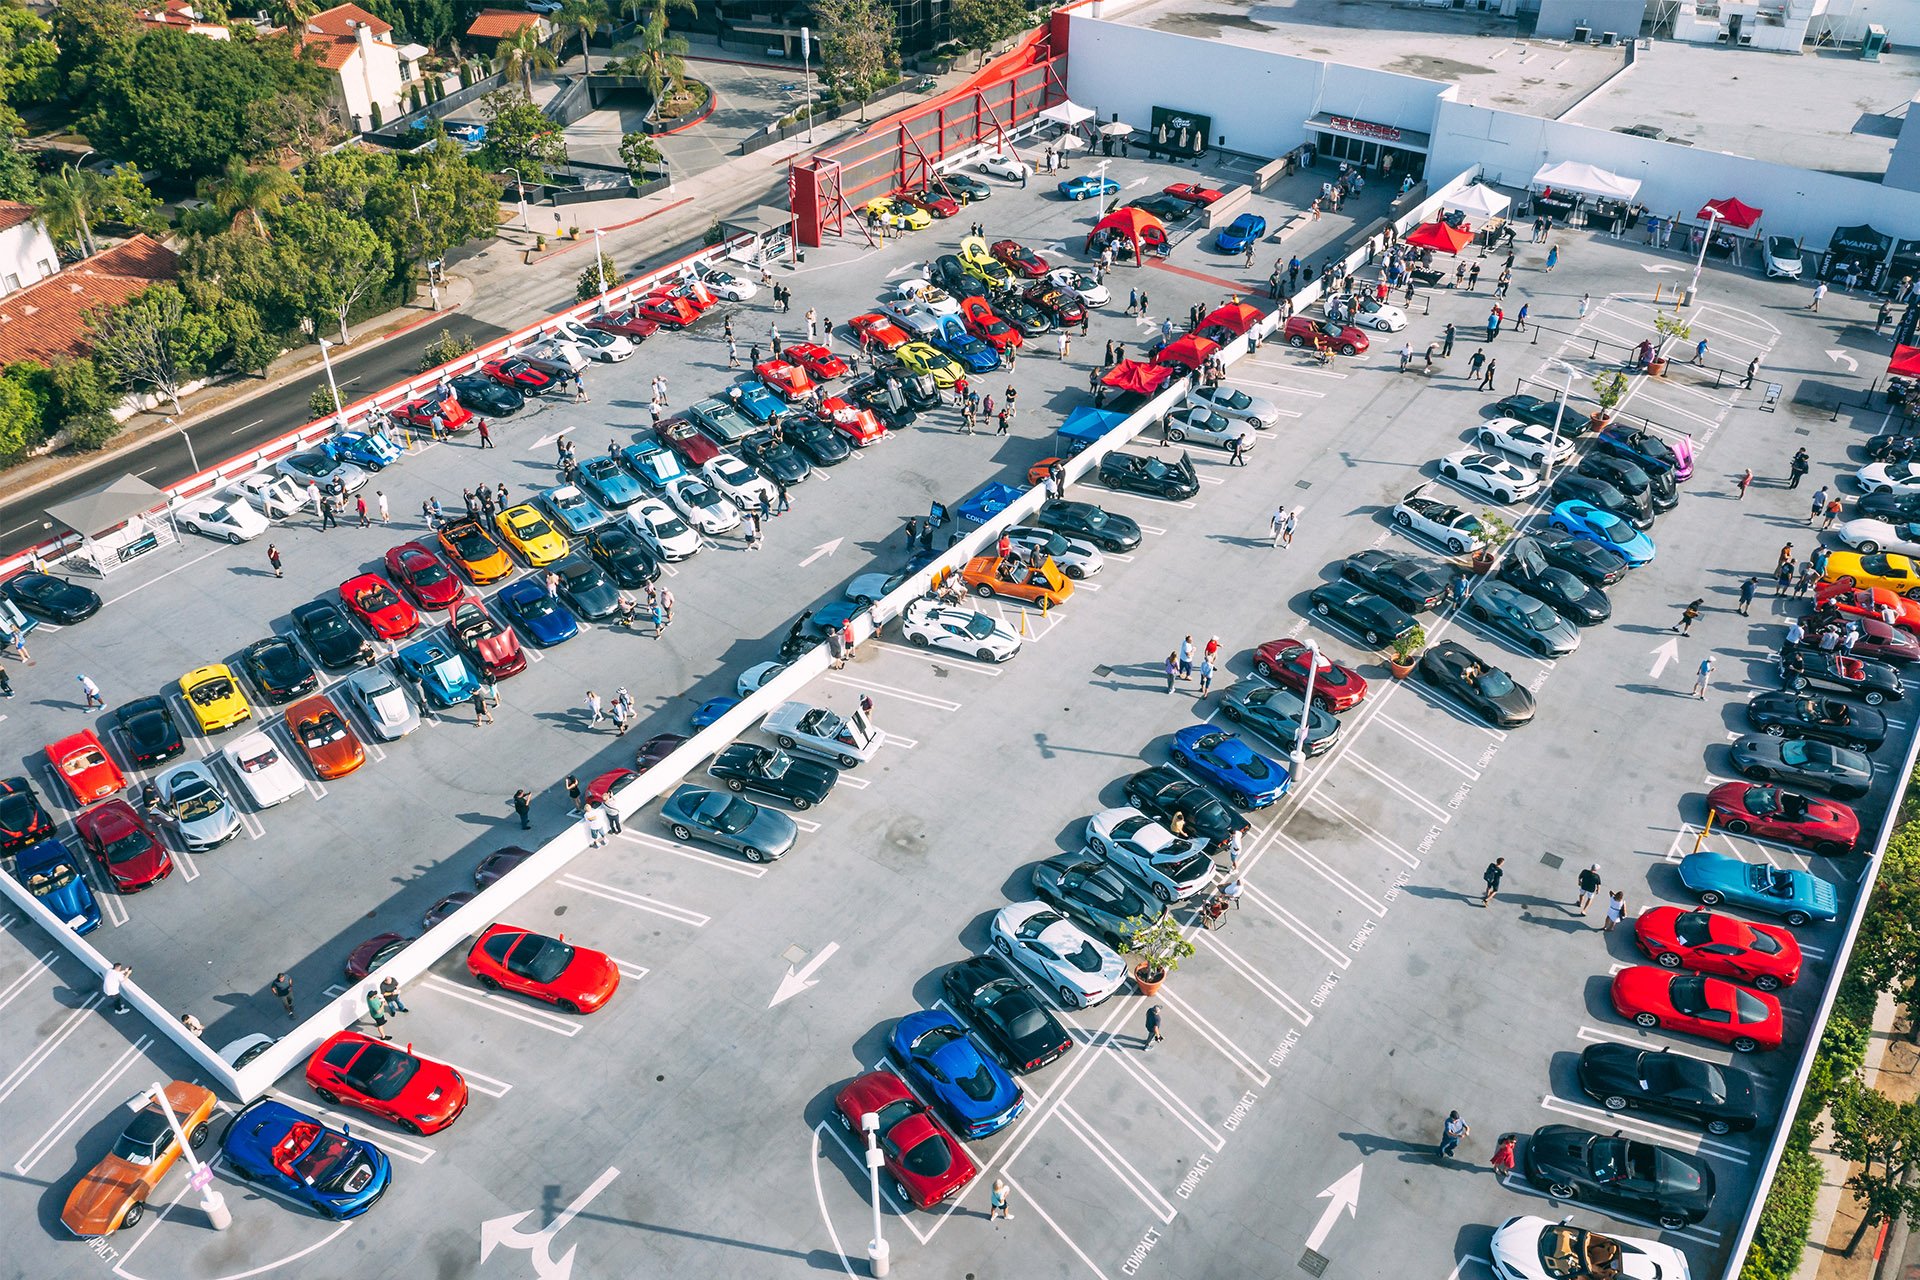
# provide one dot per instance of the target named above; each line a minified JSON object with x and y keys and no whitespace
{"x":470,"y":544}
{"x":534,"y":607}
{"x":128,"y":847}
{"x":928,"y":1158}
{"x":326,"y":1160}
{"x":1086,"y":957}
{"x":382,"y":1073}
{"x":727,"y":814}
{"x":208,"y":692}
{"x":264,"y":758}
{"x":142,"y":1141}
{"x":81,"y":761}
{"x":1495,"y":683}
{"x":980,"y":626}
{"x":322,"y":729}
{"x":540,"y":959}
{"x":531,"y":527}
{"x":195,"y":799}
{"x":426,"y":572}
{"x":47,"y":879}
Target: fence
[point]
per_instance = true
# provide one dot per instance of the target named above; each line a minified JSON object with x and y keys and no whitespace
{"x":401,"y":134}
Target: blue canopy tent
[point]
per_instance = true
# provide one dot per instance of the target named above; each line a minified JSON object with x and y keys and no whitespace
{"x":986,"y":503}
{"x":1084,"y":426}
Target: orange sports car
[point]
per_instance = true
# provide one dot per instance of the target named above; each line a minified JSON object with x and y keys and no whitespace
{"x":325,"y":736}
{"x":113,"y":1194}
{"x":1872,"y":602}
{"x":478,"y":555}
{"x":1015,"y":578}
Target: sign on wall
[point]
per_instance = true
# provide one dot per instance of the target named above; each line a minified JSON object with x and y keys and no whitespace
{"x":1178,"y":133}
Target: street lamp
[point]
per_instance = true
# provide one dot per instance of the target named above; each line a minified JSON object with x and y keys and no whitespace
{"x":1713,"y":216}
{"x":201,"y":1177}
{"x":600,"y":261}
{"x":1559,"y":412}
{"x":339,"y":417}
{"x":1100,"y":189}
{"x":877,"y":1250}
{"x":414,"y":189}
{"x":520,"y":187}
{"x":1298,"y":756}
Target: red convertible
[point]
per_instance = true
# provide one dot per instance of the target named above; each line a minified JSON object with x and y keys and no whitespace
{"x":1881,"y":641}
{"x":685,"y":439}
{"x":1699,"y":1006}
{"x":419,"y":413}
{"x":518,"y":374}
{"x":1191,"y":193}
{"x":927,"y":1164}
{"x":816,"y":360}
{"x":123,"y":846}
{"x":84,"y":766}
{"x":1336,"y":686}
{"x":1344,"y":338}
{"x":422,"y":575}
{"x":376,"y":603}
{"x":1871,"y":602}
{"x":932,"y":201}
{"x":788,"y":381}
{"x":628,"y":324}
{"x":859,"y":424}
{"x":550,"y":969}
{"x":668,"y":311}
{"x":1760,"y":955}
{"x":1824,"y":826}
{"x":880,"y":330}
{"x":985,"y":324}
{"x":1019,"y":259}
{"x":415,"y":1093}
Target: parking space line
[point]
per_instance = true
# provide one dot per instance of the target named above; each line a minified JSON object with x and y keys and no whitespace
{"x":1027,"y":1199}
{"x":1261,"y":983}
{"x":13,"y":989}
{"x":1438,"y":753}
{"x":1439,"y":812}
{"x":1696,"y":1233}
{"x":501,"y":1005}
{"x":1682,"y":1138}
{"x":945,"y":658}
{"x":1151,"y":530}
{"x":1473,"y":624}
{"x":481,"y":1083}
{"x":71,"y":1116}
{"x":392,"y":1143}
{"x":1472,"y":1259}
{"x":807,"y":825}
{"x":1217,"y":1038}
{"x":1292,"y":924}
{"x":1600,"y":1035}
{"x":1195,"y":1122}
{"x":1279,"y":386}
{"x":1458,"y":710}
{"x":697,"y":855}
{"x":1338,"y":881}
{"x":857,"y":784}
{"x":904,"y":1213}
{"x":44,"y":1050}
{"x":630,"y":969}
{"x":895,"y":740}
{"x":638,"y":901}
{"x":874,"y":686}
{"x":1122,"y":1168}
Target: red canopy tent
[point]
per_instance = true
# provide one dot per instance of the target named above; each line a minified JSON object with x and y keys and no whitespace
{"x":1189,"y":352}
{"x":1905,"y":362}
{"x":1731,"y":212}
{"x":1137,"y":376}
{"x":1137,"y":225}
{"x":1440,"y":236}
{"x":1236,"y":318}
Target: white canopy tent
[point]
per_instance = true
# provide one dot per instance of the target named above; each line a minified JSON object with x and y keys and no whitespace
{"x":1067,"y":113}
{"x":1586,"y":180}
{"x":1479,"y":202}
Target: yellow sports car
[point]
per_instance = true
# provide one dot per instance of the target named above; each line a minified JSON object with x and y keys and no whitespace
{"x":528,"y":532}
{"x":215,"y":698}
{"x":1898,"y":574}
{"x":898,"y":213}
{"x":918,"y":357}
{"x":979,"y":262}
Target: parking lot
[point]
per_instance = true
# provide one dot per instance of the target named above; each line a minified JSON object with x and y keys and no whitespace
{"x":1358,"y":994}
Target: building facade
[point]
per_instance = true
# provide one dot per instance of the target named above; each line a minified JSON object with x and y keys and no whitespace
{"x":27,"y":254}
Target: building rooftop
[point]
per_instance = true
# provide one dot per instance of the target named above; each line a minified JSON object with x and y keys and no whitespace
{"x":47,"y":320}
{"x":334,"y":31}
{"x":12,"y":214}
{"x":497,"y":24}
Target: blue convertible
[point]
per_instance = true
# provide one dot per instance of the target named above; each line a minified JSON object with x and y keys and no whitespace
{"x":1794,"y":895}
{"x":440,"y":674}
{"x":755,"y":399}
{"x":544,"y":619}
{"x":1240,"y":235}
{"x":330,"y":1171}
{"x":969,"y":1087}
{"x":1088,"y":186}
{"x":609,"y":484}
{"x":1250,"y":779}
{"x":369,"y":449}
{"x":1583,"y":519}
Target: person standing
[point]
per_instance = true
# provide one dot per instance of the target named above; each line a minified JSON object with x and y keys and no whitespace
{"x":1589,"y":885}
{"x":1206,"y":676}
{"x":1832,"y":513}
{"x":377,"y":1011}
{"x":1782,"y":577}
{"x":1741,"y":485}
{"x":480,"y":713}
{"x":1186,"y":658}
{"x":1451,"y":1134}
{"x":1702,"y":677}
{"x":1616,"y":910}
{"x":997,"y":1201}
{"x":380,"y":504}
{"x":1502,"y":1160}
{"x":111,"y":984}
{"x":1446,"y":344}
{"x":1154,"y":1035}
{"x":572,"y":785}
{"x":1747,"y":588}
{"x":273,"y":559}
{"x":1172,"y":670}
{"x":596,"y":824}
{"x":1495,"y":872}
{"x":91,"y":691}
{"x":486,"y":434}
{"x":523,"y":805}
{"x":1798,"y":468}
{"x":390,"y":996}
{"x":282,"y":988}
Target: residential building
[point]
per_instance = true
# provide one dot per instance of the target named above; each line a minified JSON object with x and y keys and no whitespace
{"x":495,"y":25}
{"x":27,"y":254}
{"x":47,"y":320}
{"x":182,"y":16}
{"x":371,"y":72}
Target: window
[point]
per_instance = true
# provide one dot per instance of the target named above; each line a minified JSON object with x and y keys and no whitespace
{"x":8,"y":283}
{"x":46,"y":266}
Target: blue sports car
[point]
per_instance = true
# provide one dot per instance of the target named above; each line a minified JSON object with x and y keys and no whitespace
{"x":1240,"y":234}
{"x":1088,"y":186}
{"x":964,"y":347}
{"x":755,"y":399}
{"x":543,"y":618}
{"x":1250,"y":779}
{"x":330,"y":1171}
{"x":609,"y":484}
{"x":1585,"y":520}
{"x":52,"y":874}
{"x":712,"y":709}
{"x":969,"y":1087}
{"x":572,"y":510}
{"x":369,"y":449}
{"x":439,"y":672}
{"x":655,"y":464}
{"x":1796,"y":896}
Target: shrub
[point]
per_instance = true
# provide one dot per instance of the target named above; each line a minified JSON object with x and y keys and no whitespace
{"x":443,"y":348}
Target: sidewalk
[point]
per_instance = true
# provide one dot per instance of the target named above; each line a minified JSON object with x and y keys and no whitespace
{"x":1892,"y":1067}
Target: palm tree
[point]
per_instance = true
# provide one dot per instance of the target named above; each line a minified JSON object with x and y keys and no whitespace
{"x":521,"y":54}
{"x":66,"y":206}
{"x":250,"y":195}
{"x":658,"y":53}
{"x":582,"y":18}
{"x":292,"y":14}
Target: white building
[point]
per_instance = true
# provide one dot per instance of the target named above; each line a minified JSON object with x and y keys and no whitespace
{"x":26,"y":250}
{"x":371,"y":70}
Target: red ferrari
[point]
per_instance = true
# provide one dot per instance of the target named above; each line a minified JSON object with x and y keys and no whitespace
{"x":932,"y":201}
{"x":1301,"y":331}
{"x":1873,"y":602}
{"x":600,"y":787}
{"x":518,"y":374}
{"x":419,"y":413}
{"x":1336,"y":686}
{"x":816,"y":360}
{"x":1705,"y":1007}
{"x":123,"y":846}
{"x":1761,"y":955}
{"x":85,"y":767}
{"x":550,"y":969}
{"x":1824,"y":826}
{"x":423,"y":575}
{"x":667,"y":311}
{"x":1192,"y":193}
{"x":415,"y":1093}
{"x":860,"y":425}
{"x":880,"y":330}
{"x":628,"y":324}
{"x":985,"y":324}
{"x":1019,"y":259}
{"x":685,"y":439}
{"x":927,"y":1164}
{"x":377,"y":604}
{"x":788,"y":381}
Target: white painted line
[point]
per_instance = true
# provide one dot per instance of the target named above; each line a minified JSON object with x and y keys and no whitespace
{"x":1026,"y":1198}
{"x":168,"y":574}
{"x":905,"y":1210}
{"x":948,"y":659}
{"x":1366,"y":829}
{"x":895,"y":740}
{"x":13,"y":989}
{"x":630,"y":970}
{"x":481,"y":1083}
{"x":1332,"y":877}
{"x":71,"y":1116}
{"x":807,"y":825}
{"x":1447,"y":758}
{"x":1293,"y":924}
{"x":1105,"y":1153}
{"x":1261,"y":983}
{"x":503,"y":1006}
{"x":363,"y":1123}
{"x":857,"y":784}
{"x":1682,"y":1138}
{"x":44,"y":1050}
{"x":874,"y":686}
{"x":1214,"y":1036}
{"x":1134,"y":1065}
{"x":638,"y":901}
{"x":1598,"y":1035}
{"x":659,"y":845}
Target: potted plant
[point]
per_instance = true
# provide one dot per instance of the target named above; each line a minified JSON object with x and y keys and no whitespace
{"x":1610,"y":391}
{"x":1406,"y":651}
{"x":1671,"y":325}
{"x":1494,"y":533}
{"x":1158,"y":947}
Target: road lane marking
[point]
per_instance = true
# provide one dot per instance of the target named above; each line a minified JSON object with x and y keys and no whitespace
{"x":874,"y":686}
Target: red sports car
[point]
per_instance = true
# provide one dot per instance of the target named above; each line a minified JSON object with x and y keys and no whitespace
{"x":816,"y":360}
{"x":667,"y":311}
{"x":550,"y":969}
{"x":1191,"y":193}
{"x":860,"y":425}
{"x":1302,"y":331}
{"x":378,"y":605}
{"x":927,"y":1164}
{"x":1336,"y":686}
{"x":1881,"y":641}
{"x":423,"y":575}
{"x":628,"y":324}
{"x":518,"y":374}
{"x":598,"y":789}
{"x":419,"y":413}
{"x":984,"y":323}
{"x":1060,"y":306}
{"x":685,"y":439}
{"x":123,"y":846}
{"x":1705,"y":1007}
{"x":1760,"y":955}
{"x":693,"y":291}
{"x":84,"y":766}
{"x":880,"y":330}
{"x":1871,"y":602}
{"x":415,"y":1093}
{"x":932,"y":201}
{"x":1772,"y":813}
{"x":788,"y":381}
{"x":1019,"y":259}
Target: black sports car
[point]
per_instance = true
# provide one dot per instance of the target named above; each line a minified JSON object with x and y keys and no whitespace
{"x":1824,"y":719}
{"x":1171,"y":210}
{"x":23,"y":819}
{"x":778,"y":461}
{"x":1376,"y":620}
{"x":1095,"y":896}
{"x":1895,"y":508}
{"x":1818,"y":766}
{"x":1161,"y":792}
{"x":955,"y":279}
{"x":887,"y":397}
{"x":1582,"y":557}
{"x":1030,"y":320}
{"x":328,"y":632}
{"x":1055,"y":303}
{"x":51,"y":599}
{"x":147,"y":731}
{"x":1084,"y":520}
{"x":1526,"y":567}
{"x":498,"y":863}
{"x":961,"y":187}
{"x":1457,"y":671}
{"x":1414,"y":584}
{"x":1622,"y":1078}
{"x":1541,"y":413}
{"x":1629,"y":478}
{"x":483,"y":395}
{"x":1571,"y":1163}
{"x":623,"y":555}
{"x":770,"y":771}
{"x":1131,"y":473}
{"x":1572,"y":486}
{"x":1871,"y":682}
{"x":278,"y":669}
{"x":1274,"y":714}
{"x":1648,"y":451}
{"x":819,"y":441}
{"x":1020,"y":1030}
{"x":586,"y":589}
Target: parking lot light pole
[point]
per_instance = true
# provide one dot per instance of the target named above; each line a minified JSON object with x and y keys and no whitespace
{"x":200,"y":1176}
{"x":520,"y":187}
{"x":877,"y":1250}
{"x":339,"y":417}
{"x":1298,"y":756}
{"x":1693,"y":285}
{"x":1560,"y":411}
{"x":600,"y":260}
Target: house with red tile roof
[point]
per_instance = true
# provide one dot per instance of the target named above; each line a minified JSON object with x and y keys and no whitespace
{"x":47,"y":320}
{"x":182,"y":16}
{"x":496,"y":25}
{"x":27,"y":255}
{"x":370,"y":69}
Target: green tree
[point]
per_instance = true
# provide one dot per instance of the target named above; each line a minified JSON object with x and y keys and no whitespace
{"x":980,"y":24}
{"x":238,"y":266}
{"x":341,"y":260}
{"x":21,"y":426}
{"x":444,"y":348}
{"x":66,"y":205}
{"x":95,"y":39}
{"x":520,"y":136}
{"x":859,"y":52}
{"x":155,"y":341}
{"x":121,"y":199}
{"x":18,"y":181}
{"x":658,"y":56}
{"x":347,"y":178}
{"x":640,"y":153}
{"x":1882,"y":1137}
{"x":81,"y":403}
{"x":582,"y":18}
{"x":320,"y":403}
{"x":291,"y":14}
{"x":250,"y":348}
{"x":247,"y":196}
{"x":596,"y":279}
{"x":29,"y":59}
{"x":520,"y":55}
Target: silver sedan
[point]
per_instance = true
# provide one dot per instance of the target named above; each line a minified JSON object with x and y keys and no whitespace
{"x":1231,"y":402}
{"x":719,"y":817}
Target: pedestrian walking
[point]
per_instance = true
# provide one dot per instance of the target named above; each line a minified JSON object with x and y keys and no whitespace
{"x":1486,"y":379}
{"x":282,"y":988}
{"x":1819,"y":292}
{"x":480,"y":713}
{"x":91,"y":692}
{"x":390,"y":996}
{"x":1520,"y":321}
{"x":486,"y":434}
{"x":380,"y":504}
{"x":1553,"y":257}
{"x":1238,"y":457}
{"x":1154,"y":1035}
{"x":1782,"y":578}
{"x":273,"y":559}
{"x":1473,"y":277}
{"x":1451,"y":1134}
{"x":1818,"y":504}
{"x":1808,"y":575}
{"x":1831,"y":514}
{"x":1753,"y":367}
{"x":1287,"y":528}
{"x":1589,"y":885}
{"x":1797,"y":468}
{"x":376,"y":1010}
{"x":1688,"y":616}
{"x":1616,"y":910}
{"x":360,"y":510}
{"x":1744,"y":483}
{"x":1186,"y":658}
{"x":111,"y":983}
{"x":1173,"y":671}
{"x":594,"y":709}
{"x":522,"y":803}
{"x":1700,"y":352}
{"x":1446,"y":343}
{"x":997,"y":1200}
{"x":1406,"y":355}
{"x":1495,"y":872}
{"x":1702,"y":677}
{"x":1502,"y":1159}
{"x":572,"y":784}
{"x":1278,"y":523}
{"x":1586,"y":300}
{"x":1747,"y":588}
{"x":1476,"y":362}
{"x":1458,"y":589}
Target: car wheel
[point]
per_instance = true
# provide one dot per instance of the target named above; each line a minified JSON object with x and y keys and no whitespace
{"x":1295,"y":340}
{"x":985,"y":655}
{"x":413,"y":1128}
{"x":1562,"y":1191}
{"x":786,"y":743}
{"x":1175,"y":435}
{"x":984,"y":591}
{"x":1766,"y":982}
{"x":1006,"y":948}
{"x":1401,"y":518}
{"x":1776,"y":731}
{"x":566,"y":1006}
{"x":1561,"y":525}
{"x":1672,"y":1221}
{"x":1503,"y":495}
{"x":1346,"y":348}
{"x":1719,"y":1127}
{"x":1885,"y":488}
{"x":1231,"y":710}
{"x":1074,"y":571}
{"x":752,"y":854}
{"x":901,"y":1191}
{"x":234,"y":539}
{"x":198,"y":1138}
{"x":1711,"y":898}
{"x":1830,"y":848}
{"x":1745,"y":1044}
{"x":1797,"y":683}
{"x":1320,"y":608}
{"x":918,"y":639}
{"x":1456,"y":546}
{"x":240,"y":1171}
{"x":1163,"y":893}
{"x":1669,"y":960}
{"x":327,"y":1096}
{"x":1098,"y":845}
{"x":131,"y":1218}
{"x":1372,"y":638}
{"x":841,"y":1116}
{"x":1646,"y":1019}
{"x":1797,"y":918}
{"x":847,"y":762}
{"x":1477,"y":610}
{"x":486,"y":983}
{"x":681,"y":831}
{"x":1868,"y":547}
{"x":1071,"y":998}
{"x":1873,"y":697}
{"x":735,"y":785}
{"x":1615,"y":1102}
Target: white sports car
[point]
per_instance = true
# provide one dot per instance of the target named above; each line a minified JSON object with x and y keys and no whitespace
{"x":724,"y":284}
{"x":662,"y":530}
{"x":1004,"y":166}
{"x":967,"y":631}
{"x":198,"y":805}
{"x":1444,"y":522}
{"x":221,"y":516}
{"x":1490,"y":475}
{"x":1076,"y":559}
{"x":609,"y":348}
{"x":914,"y":316}
{"x":753,"y":677}
{"x":1531,"y":1248}
{"x":933,"y":298}
{"x":1369,"y":313}
{"x":703,"y":506}
{"x":1890,"y":477}
{"x":1078,"y":970}
{"x":1081,"y":285}
{"x":383,"y":702}
{"x":274,"y":496}
{"x":1174,"y":867}
{"x":1869,"y":536}
{"x":742,"y":485}
{"x":1524,"y":440}
{"x":1231,"y":402}
{"x":264,"y":771}
{"x":1202,"y":425}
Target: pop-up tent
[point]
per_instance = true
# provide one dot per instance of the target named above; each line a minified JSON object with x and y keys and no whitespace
{"x":1084,"y":426}
{"x":1138,"y":226}
{"x":1585,"y":180}
{"x":1137,"y":376}
{"x":1188,"y":353}
{"x":1067,"y":113}
{"x":987,"y":502}
{"x":1477,"y":201}
{"x":1234,"y":319}
{"x":1905,"y":362}
{"x":1439,"y":236}
{"x":1731,"y":212}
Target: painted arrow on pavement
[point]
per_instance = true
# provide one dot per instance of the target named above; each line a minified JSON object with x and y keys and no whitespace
{"x":1137,"y":182}
{"x":1668,"y":652}
{"x":495,"y":1232}
{"x":1657,"y":268}
{"x":1342,"y":1196}
{"x":824,"y":549}
{"x":1841,"y":357}
{"x":798,"y":980}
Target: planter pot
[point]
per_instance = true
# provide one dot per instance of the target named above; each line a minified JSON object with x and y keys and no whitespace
{"x":1598,"y":422}
{"x":1401,"y":670}
{"x":1482,"y":561}
{"x":1148,"y":986}
{"x":1657,"y":368}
